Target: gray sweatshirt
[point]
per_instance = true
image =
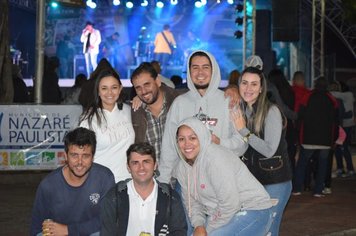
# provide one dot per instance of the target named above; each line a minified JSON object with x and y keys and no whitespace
{"x":218,"y":185}
{"x":212,"y":108}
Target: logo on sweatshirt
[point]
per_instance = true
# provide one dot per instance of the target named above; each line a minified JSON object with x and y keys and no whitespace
{"x":206,"y":119}
{"x":94,"y":198}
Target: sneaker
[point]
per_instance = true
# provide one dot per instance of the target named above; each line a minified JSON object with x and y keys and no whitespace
{"x":296,"y":193}
{"x":338,"y":173}
{"x":327,"y":191}
{"x":318,"y":195}
{"x":350,"y":173}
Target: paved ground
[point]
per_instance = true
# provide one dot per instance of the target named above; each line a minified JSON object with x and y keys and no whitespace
{"x":334,"y":215}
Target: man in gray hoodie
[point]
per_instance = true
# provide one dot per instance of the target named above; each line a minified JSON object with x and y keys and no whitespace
{"x":207,"y":102}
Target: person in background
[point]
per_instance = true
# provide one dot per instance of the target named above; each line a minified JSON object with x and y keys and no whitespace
{"x":299,"y":89}
{"x":157,"y":66}
{"x":348,"y":124}
{"x":178,"y":82}
{"x":20,"y":88}
{"x":234,"y":77}
{"x":239,"y":206}
{"x":51,"y":92}
{"x":142,"y":205}
{"x":91,"y":39}
{"x":164,"y":44}
{"x":285,"y":91}
{"x":110,"y":119}
{"x":72,"y":96}
{"x":262,"y":126}
{"x":111,"y":49}
{"x":143,"y":47}
{"x":70,"y":195}
{"x":316,"y":135}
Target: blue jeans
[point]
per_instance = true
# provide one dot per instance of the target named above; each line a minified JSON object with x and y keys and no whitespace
{"x":304,"y":157}
{"x":190,"y":228}
{"x":344,"y":151}
{"x":280,"y":191}
{"x":247,"y":223}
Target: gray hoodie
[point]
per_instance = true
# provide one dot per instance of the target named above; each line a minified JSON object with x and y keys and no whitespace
{"x":218,"y":185}
{"x":212,"y":108}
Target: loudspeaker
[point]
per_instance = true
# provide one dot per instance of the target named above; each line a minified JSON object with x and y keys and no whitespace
{"x":285,"y":20}
{"x":263,"y":30}
{"x":79,"y":65}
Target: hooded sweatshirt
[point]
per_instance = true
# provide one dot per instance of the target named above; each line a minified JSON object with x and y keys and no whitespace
{"x":218,"y":184}
{"x":211,"y":108}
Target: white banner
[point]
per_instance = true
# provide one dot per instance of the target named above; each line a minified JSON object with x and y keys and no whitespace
{"x":31,"y":136}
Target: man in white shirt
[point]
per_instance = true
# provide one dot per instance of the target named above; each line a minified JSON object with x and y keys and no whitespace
{"x":142,"y":205}
{"x":91,"y":39}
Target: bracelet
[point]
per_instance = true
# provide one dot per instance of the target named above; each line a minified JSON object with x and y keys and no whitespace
{"x":246,"y":137}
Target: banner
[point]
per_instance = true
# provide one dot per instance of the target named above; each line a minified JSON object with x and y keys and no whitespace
{"x":31,"y":136}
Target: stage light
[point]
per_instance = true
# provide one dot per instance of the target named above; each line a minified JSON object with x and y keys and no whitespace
{"x":91,"y":4}
{"x":203,"y":2}
{"x":159,"y":4}
{"x":174,"y":2}
{"x":116,"y":2}
{"x":54,"y":4}
{"x":144,"y":3}
{"x":198,"y":4}
{"x":230,"y":2}
{"x":239,"y":7}
{"x":238,"y":34}
{"x":239,"y":20}
{"x":129,"y":4}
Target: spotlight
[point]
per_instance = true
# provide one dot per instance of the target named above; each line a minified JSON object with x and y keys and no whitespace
{"x":174,"y":2}
{"x":239,"y":20}
{"x":159,"y":4}
{"x":144,"y":3}
{"x":203,"y":2}
{"x":129,"y":4}
{"x":238,"y":34}
{"x":239,"y":7}
{"x":91,"y":4}
{"x":230,"y":2}
{"x":116,"y":2}
{"x":198,"y":4}
{"x":54,"y":4}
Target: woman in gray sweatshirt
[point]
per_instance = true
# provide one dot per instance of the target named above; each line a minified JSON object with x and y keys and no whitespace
{"x":220,"y":194}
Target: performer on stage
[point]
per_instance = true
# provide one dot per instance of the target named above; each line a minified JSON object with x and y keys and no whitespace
{"x":143,"y":47}
{"x":164,"y":44}
{"x":111,"y":49}
{"x":91,"y":40}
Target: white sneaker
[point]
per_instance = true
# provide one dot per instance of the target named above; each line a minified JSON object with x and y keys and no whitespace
{"x":327,"y":191}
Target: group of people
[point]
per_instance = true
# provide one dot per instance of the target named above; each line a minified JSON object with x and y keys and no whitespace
{"x":195,"y":162}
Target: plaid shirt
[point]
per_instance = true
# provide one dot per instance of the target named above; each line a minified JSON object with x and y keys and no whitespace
{"x":155,"y":128}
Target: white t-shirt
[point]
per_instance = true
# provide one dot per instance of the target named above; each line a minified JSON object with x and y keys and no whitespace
{"x":142,"y":212}
{"x":113,"y":138}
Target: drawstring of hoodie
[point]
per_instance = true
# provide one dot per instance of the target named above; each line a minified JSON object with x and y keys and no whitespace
{"x":195,"y":190}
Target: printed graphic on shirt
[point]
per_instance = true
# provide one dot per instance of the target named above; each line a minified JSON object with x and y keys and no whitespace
{"x":208,"y":121}
{"x":94,"y":198}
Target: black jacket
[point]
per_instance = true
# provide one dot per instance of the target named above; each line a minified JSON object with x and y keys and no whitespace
{"x":114,"y":212}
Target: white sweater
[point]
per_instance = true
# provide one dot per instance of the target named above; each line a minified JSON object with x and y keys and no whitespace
{"x":113,"y":137}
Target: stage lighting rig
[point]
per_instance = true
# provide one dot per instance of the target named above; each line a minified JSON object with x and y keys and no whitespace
{"x":116,"y":2}
{"x":129,"y":4}
{"x":144,"y":3}
{"x":174,"y":2}
{"x":91,"y":4}
{"x":159,"y":4}
{"x":238,"y":34}
{"x":239,"y":7}
{"x":239,"y":20}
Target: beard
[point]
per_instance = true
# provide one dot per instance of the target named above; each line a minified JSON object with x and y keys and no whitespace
{"x":201,"y":86}
{"x":153,"y":100}
{"x":79,"y":176}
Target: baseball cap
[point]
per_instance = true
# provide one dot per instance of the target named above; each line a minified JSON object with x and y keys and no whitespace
{"x":254,"y":61}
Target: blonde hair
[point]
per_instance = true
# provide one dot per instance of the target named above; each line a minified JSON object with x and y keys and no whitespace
{"x":259,"y":113}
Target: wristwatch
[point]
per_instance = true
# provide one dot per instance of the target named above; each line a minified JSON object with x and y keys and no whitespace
{"x":246,"y":137}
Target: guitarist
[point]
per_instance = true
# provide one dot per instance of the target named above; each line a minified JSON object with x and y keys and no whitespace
{"x":164,"y":44}
{"x":110,"y":49}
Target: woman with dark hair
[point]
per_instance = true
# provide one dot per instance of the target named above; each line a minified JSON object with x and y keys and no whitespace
{"x":110,"y":119}
{"x":262,"y":126}
{"x":285,"y":91}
